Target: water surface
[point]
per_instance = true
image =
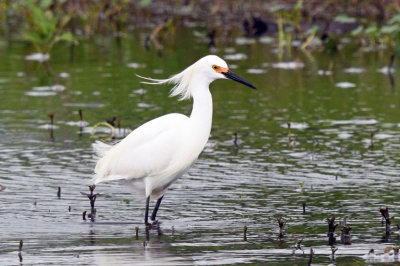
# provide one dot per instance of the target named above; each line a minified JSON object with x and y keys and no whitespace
{"x":325,"y":159}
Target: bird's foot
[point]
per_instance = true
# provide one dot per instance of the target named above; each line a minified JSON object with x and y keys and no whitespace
{"x":148,"y":225}
{"x":155,"y":224}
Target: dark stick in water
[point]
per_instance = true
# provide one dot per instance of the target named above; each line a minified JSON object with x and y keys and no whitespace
{"x":92,"y":198}
{"x":21,"y":243}
{"x":281,"y":224}
{"x":311,"y":255}
{"x":386,"y":217}
{"x":331,"y":230}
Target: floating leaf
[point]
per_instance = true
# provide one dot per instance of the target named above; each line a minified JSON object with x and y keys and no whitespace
{"x":314,"y":29}
{"x":32,"y":36}
{"x":357,"y":31}
{"x":45,"y":3}
{"x":372,"y":30}
{"x":394,"y":19}
{"x":390,"y":29}
{"x":343,"y":18}
{"x":66,"y":36}
{"x":144,"y":3}
{"x":276,"y":8}
{"x":299,"y":5}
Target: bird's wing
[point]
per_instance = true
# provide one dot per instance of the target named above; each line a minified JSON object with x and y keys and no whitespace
{"x":146,"y":151}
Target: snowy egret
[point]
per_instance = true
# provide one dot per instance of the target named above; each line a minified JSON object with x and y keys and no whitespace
{"x":160,"y":151}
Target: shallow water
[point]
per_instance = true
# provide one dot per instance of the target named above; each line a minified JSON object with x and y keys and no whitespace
{"x":326,"y":158}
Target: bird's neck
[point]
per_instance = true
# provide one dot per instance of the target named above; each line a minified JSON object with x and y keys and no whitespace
{"x":202,"y":107}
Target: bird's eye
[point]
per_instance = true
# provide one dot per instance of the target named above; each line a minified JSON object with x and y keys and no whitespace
{"x":215,"y":67}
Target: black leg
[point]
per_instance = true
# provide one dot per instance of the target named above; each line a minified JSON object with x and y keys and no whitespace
{"x":153,"y":216}
{"x":147,"y":235}
{"x":146,"y":215}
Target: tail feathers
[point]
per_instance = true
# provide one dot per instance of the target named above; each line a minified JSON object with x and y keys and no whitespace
{"x":101,"y":148}
{"x":101,"y":178}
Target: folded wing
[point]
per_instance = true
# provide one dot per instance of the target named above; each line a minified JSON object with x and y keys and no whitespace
{"x":147,"y":151}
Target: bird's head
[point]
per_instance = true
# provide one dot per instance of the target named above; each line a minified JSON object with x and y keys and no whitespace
{"x":214,"y":67}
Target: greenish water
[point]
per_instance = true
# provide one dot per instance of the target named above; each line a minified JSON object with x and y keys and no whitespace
{"x":203,"y":214}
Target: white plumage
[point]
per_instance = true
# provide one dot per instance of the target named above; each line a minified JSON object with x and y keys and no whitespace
{"x":155,"y":154}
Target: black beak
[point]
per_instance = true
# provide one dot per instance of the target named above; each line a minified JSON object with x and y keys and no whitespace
{"x":233,"y":76}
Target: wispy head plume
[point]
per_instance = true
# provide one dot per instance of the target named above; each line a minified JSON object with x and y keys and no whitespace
{"x":180,"y":80}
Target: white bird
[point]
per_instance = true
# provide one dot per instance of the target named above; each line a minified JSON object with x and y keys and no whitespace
{"x":160,"y":151}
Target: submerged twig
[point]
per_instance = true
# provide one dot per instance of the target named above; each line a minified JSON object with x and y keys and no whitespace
{"x":331,"y":230}
{"x":371,"y":141}
{"x":80,"y":117}
{"x":92,"y":198}
{"x":371,"y":252}
{"x":386,"y":217}
{"x":112,"y":121}
{"x":297,"y":246}
{"x":345,"y":237}
{"x":390,"y":69}
{"x":235,"y":139}
{"x":51,"y":116}
{"x":333,"y":250}
{"x":281,"y":224}
{"x":311,"y":256}
{"x":21,"y":243}
{"x":81,"y":123}
{"x":51,"y":127}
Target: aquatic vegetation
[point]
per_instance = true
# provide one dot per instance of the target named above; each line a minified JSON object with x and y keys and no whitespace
{"x":46,"y":27}
{"x":296,"y":24}
{"x":286,"y":18}
{"x":380,"y":36}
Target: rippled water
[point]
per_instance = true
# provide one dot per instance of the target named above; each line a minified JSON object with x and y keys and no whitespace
{"x":324,"y":160}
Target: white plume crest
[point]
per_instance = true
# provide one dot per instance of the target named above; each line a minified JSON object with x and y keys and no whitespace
{"x":181,"y":81}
